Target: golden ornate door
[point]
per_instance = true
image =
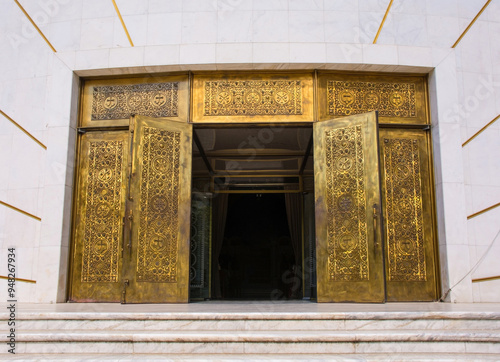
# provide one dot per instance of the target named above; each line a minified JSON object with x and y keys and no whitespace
{"x":102,"y":184}
{"x":156,"y":259}
{"x":409,"y":220}
{"x":347,"y":196}
{"x":132,"y":224}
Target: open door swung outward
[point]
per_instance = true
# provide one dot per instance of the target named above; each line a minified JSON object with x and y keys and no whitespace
{"x":156,"y":258}
{"x":348,"y":223}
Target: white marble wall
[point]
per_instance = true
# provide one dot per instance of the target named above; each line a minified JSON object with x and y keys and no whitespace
{"x":40,"y":91}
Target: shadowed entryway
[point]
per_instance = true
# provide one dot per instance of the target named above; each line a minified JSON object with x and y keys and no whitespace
{"x":257,"y":259}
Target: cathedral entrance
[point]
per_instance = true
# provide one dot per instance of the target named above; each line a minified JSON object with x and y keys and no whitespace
{"x":255,"y":193}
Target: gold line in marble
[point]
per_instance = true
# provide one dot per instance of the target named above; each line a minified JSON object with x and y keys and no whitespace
{"x":471,"y":23}
{"x":22,"y":129}
{"x":383,"y":21}
{"x":21,"y":211}
{"x":123,"y":23}
{"x":36,"y":27}
{"x":19,"y":279}
{"x":481,"y":130}
{"x":483,"y":211}
{"x":478,"y":280}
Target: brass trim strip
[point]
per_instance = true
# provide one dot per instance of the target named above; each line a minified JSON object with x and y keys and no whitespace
{"x":483,"y":211}
{"x":383,"y":21}
{"x":479,"y":280}
{"x":19,"y":210}
{"x":36,"y":27}
{"x":481,"y":130}
{"x":22,"y":129}
{"x":19,"y":279}
{"x":471,"y":23}
{"x":123,"y":23}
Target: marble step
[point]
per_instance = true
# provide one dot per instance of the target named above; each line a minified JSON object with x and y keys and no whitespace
{"x":260,"y":321}
{"x":376,"y":357}
{"x":299,"y":342}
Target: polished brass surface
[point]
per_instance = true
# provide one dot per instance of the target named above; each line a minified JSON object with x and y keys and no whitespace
{"x":158,"y":259}
{"x":347,"y":191}
{"x":249,"y":98}
{"x":368,"y":249}
{"x":397,"y":99}
{"x":101,"y":192}
{"x":112,"y":102}
{"x":409,"y":221}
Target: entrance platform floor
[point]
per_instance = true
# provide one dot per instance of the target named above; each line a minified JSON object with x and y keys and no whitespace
{"x":263,"y":309}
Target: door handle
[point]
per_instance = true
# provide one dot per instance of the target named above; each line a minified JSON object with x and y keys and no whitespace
{"x":376,"y":242}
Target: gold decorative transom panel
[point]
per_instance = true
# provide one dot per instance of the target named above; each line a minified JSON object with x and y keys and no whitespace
{"x":253,"y":97}
{"x":404,"y":210}
{"x":149,"y":99}
{"x":102,"y":220}
{"x":390,"y":99}
{"x":159,"y":203}
{"x":346,"y":205}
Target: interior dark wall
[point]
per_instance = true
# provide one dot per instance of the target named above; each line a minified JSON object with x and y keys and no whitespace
{"x":257,"y":253}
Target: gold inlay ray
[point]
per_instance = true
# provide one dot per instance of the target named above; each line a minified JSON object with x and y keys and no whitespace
{"x":471,"y":23}
{"x":22,"y":129}
{"x":36,"y":27}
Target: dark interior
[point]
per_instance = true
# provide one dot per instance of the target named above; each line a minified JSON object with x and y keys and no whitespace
{"x":257,"y":257}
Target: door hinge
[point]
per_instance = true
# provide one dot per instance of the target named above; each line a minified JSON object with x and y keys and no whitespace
{"x":130,"y":218}
{"x":124,"y":290}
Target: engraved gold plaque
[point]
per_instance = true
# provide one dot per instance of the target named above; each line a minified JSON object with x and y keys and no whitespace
{"x":347,"y":193}
{"x":396,"y":99}
{"x":112,"y":102}
{"x":248,"y":98}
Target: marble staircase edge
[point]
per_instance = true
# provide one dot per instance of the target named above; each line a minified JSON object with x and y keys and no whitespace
{"x":386,"y":315}
{"x":294,"y":336}
{"x":421,"y":357}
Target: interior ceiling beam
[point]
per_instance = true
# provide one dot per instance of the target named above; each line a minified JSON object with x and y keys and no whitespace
{"x":202,"y":153}
{"x":254,"y":153}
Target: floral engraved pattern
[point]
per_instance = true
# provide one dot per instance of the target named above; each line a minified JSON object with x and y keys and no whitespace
{"x":102,"y":215}
{"x":149,"y":99}
{"x":346,"y":205}
{"x":253,"y":97}
{"x":405,"y":235}
{"x":159,"y":203}
{"x":390,"y":99}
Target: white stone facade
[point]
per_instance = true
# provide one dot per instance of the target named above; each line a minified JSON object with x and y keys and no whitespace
{"x":40,"y":91}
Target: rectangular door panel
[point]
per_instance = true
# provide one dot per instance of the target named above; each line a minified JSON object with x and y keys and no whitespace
{"x":409,"y":220}
{"x":347,"y":196}
{"x":98,"y":230}
{"x":158,"y":255}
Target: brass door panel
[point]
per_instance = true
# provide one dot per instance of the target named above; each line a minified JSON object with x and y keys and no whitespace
{"x":111,"y":102}
{"x":409,"y":219}
{"x":347,"y":197}
{"x":98,"y":230}
{"x":157,"y":261}
{"x":398,"y":99}
{"x":247,"y":98}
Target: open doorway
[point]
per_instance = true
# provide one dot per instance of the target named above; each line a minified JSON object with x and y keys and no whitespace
{"x":258,"y":179}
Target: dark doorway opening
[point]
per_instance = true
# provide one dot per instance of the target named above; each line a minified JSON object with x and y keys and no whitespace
{"x":257,"y":258}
